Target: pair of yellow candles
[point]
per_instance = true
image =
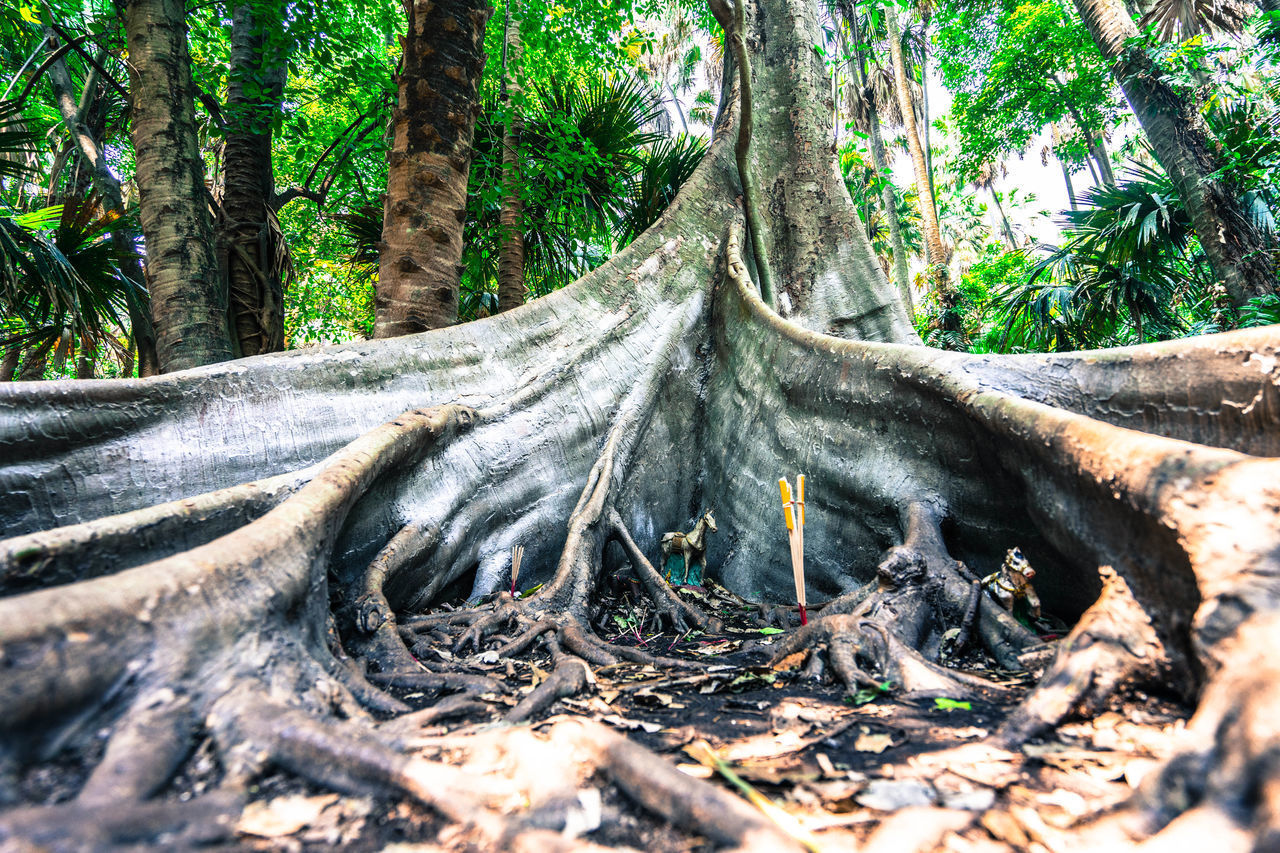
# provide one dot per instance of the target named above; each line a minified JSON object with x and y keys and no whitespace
{"x":793,"y":511}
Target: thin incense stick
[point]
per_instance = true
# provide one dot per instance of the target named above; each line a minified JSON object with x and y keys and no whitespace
{"x":798,"y":563}
{"x":795,"y":533}
{"x":517,"y":554}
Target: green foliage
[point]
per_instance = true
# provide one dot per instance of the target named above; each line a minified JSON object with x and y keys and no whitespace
{"x":1016,"y":68}
{"x":1130,"y":271}
{"x":592,"y":178}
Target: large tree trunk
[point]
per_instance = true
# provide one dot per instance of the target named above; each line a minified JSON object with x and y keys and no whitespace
{"x":936,"y":254}
{"x":188,"y":299}
{"x":188,"y":594}
{"x":420,"y":267}
{"x":1240,"y":253}
{"x":124,"y":237}
{"x":511,"y":287}
{"x":250,"y":242}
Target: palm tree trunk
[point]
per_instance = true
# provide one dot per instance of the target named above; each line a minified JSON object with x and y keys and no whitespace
{"x":1240,"y":253}
{"x":1004,"y":220}
{"x":85,"y":366}
{"x":511,"y":289}
{"x":124,"y":238}
{"x":420,"y":267}
{"x":880,"y":158}
{"x":248,"y":243}
{"x":945,"y":295}
{"x":188,"y":299}
{"x":37,"y":360}
{"x":12,"y":358}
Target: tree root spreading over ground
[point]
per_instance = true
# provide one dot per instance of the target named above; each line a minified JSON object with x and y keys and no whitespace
{"x":265,"y":602}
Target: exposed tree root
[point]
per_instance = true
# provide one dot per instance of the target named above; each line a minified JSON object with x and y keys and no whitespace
{"x":1113,"y":647}
{"x":894,"y":629}
{"x":214,"y":633}
{"x":117,"y":542}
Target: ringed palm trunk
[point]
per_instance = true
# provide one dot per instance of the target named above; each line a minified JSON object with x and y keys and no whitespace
{"x":419,"y":269}
{"x":188,"y":300}
{"x":249,"y":242}
{"x":511,"y":287}
{"x":1239,"y":252}
{"x":124,"y":237}
{"x":938,"y":278}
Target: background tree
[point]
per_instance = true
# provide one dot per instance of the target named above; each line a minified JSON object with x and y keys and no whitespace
{"x":188,"y":297}
{"x":250,"y":242}
{"x":1241,"y":255}
{"x":420,"y":269}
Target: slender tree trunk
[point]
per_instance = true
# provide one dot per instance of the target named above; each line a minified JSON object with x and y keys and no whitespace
{"x":12,"y":358}
{"x":1240,"y":253}
{"x":1094,"y":141}
{"x":1098,"y":147}
{"x":188,"y":300}
{"x":85,"y":361}
{"x":62,"y":351}
{"x":37,"y":360}
{"x":880,"y":159}
{"x":1066,"y":171}
{"x":938,"y":278}
{"x":511,"y":287}
{"x":1004,"y":220}
{"x":420,"y":268}
{"x":926,"y":138}
{"x":124,"y":239}
{"x":249,"y":241}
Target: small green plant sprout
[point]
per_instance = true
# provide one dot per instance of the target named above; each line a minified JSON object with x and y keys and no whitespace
{"x":517,"y":554}
{"x":870,"y":694}
{"x":793,"y":513}
{"x":942,"y":703}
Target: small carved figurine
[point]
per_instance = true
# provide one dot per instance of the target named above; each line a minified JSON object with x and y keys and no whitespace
{"x":692,"y":546}
{"x":1013,"y":583}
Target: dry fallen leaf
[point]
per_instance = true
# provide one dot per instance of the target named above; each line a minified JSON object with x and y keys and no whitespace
{"x":876,"y":743}
{"x":625,"y":723}
{"x":283,"y":815}
{"x":794,"y":661}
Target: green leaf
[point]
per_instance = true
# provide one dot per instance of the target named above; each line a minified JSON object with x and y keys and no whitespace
{"x":768,"y":631}
{"x":869,"y":694}
{"x":942,"y":703}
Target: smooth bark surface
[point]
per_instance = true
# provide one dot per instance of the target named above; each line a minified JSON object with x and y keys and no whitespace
{"x":188,"y":299}
{"x":420,"y":267}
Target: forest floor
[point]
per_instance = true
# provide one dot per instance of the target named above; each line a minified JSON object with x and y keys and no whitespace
{"x":839,"y":771}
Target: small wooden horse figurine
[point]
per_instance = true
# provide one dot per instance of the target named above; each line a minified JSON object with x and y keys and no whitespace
{"x":692,"y":546}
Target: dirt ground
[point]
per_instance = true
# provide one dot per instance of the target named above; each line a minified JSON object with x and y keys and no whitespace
{"x":835,"y":771}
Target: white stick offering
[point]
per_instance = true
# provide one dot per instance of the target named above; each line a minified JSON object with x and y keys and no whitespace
{"x":517,"y":554}
{"x":793,"y":512}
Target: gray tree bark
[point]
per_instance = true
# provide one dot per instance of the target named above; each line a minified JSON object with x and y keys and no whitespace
{"x":188,"y":299}
{"x":173,"y":541}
